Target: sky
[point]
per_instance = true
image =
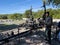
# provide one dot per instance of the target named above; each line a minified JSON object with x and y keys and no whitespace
{"x":20,"y":6}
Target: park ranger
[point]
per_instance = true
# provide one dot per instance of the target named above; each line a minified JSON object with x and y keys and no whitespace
{"x":48,"y":23}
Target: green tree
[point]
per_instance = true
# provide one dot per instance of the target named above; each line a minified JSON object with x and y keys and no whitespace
{"x":3,"y":17}
{"x":27,"y":14}
{"x":54,"y":2}
{"x":15,"y":16}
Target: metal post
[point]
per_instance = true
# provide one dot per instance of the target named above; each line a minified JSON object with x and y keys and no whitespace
{"x":18,"y":29}
{"x":18,"y":35}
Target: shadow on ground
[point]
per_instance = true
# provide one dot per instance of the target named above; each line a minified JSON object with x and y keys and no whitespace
{"x":31,"y":39}
{"x":4,"y":27}
{"x":35,"y":38}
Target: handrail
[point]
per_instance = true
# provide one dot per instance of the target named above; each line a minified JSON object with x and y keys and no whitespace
{"x":20,"y":35}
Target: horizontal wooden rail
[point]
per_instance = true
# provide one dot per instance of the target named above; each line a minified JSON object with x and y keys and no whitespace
{"x":20,"y":35}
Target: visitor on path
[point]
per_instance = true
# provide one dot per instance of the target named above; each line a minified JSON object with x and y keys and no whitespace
{"x":8,"y":34}
{"x":12,"y":33}
{"x":48,"y":23}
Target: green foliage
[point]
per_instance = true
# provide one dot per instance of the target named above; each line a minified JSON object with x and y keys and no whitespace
{"x":3,"y":17}
{"x":54,"y":2}
{"x":55,"y":13}
{"x":15,"y":16}
{"x":27,"y":13}
{"x":38,"y":14}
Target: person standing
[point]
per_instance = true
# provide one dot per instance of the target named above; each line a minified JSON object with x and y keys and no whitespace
{"x":12,"y":33}
{"x":48,"y":23}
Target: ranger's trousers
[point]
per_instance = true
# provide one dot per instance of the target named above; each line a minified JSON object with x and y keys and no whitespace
{"x":48,"y":33}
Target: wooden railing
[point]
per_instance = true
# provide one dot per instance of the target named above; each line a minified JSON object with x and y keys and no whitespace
{"x":6,"y":40}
